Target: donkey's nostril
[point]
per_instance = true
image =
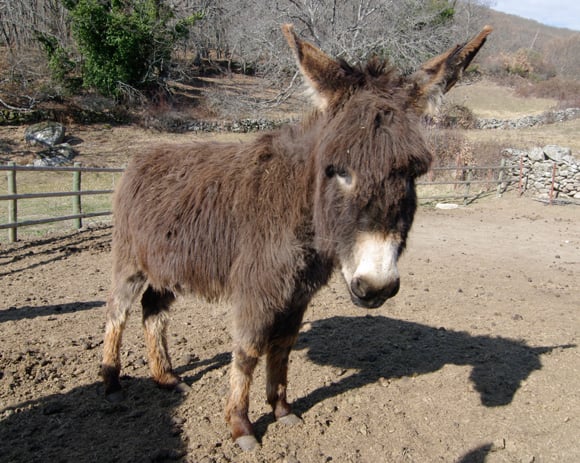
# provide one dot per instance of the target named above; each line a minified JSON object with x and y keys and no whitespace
{"x":359,"y":287}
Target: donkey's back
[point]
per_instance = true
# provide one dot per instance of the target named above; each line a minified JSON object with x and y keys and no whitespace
{"x":184,"y":213}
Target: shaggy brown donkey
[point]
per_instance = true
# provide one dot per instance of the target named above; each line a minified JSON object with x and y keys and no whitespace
{"x":264,"y":224}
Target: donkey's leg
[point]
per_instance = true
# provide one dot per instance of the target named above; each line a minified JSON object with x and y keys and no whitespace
{"x":124,"y":292}
{"x":155,"y":319}
{"x":244,"y":362}
{"x":277,"y":379}
{"x":283,"y":337}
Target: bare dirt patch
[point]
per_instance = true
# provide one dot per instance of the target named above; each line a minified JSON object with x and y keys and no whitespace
{"x":476,"y":359}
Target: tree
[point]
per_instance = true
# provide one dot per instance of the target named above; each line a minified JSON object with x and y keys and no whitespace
{"x":405,"y":31}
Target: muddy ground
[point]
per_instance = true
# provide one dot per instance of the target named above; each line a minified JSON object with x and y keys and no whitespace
{"x":475,"y":360}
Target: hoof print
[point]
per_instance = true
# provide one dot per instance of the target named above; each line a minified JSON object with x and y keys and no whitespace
{"x":182,"y":388}
{"x":290,"y":419}
{"x":247,"y":443}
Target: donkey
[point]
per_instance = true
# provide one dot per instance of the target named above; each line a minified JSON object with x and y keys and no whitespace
{"x":264,"y":224}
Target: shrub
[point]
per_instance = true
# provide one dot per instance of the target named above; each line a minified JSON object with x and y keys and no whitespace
{"x":62,"y":67}
{"x":449,"y":147}
{"x":525,"y":62}
{"x":125,"y":42}
{"x":452,"y":115}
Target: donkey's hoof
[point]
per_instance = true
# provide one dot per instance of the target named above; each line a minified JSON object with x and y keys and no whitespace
{"x":247,"y":443}
{"x":115,"y":397}
{"x":290,"y":420}
{"x":182,"y":388}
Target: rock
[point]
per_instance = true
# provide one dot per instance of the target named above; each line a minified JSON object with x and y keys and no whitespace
{"x":45,"y":133}
{"x":536,"y":154}
{"x":557,"y":153}
{"x":446,"y":206}
{"x":57,"y":155}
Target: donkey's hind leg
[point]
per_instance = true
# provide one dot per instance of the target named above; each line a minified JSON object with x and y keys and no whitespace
{"x":123,"y":294}
{"x":155,"y":319}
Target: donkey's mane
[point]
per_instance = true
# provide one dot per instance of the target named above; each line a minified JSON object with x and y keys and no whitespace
{"x":375,"y":69}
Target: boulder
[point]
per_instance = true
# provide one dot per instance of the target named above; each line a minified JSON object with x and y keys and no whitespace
{"x":45,"y":133}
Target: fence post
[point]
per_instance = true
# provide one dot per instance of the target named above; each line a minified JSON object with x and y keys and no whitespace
{"x":467,"y":186}
{"x":77,"y":207}
{"x":521,"y":179}
{"x":12,"y":204}
{"x":500,"y":186}
{"x":552,"y":186}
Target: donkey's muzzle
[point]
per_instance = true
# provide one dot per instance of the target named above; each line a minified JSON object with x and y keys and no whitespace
{"x":364,"y":294}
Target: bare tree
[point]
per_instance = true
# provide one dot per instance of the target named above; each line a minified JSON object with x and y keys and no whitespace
{"x":406,"y":31}
{"x":21,"y":20}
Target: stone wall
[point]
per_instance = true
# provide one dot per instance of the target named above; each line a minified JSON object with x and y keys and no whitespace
{"x":540,"y":168}
{"x":549,"y":117}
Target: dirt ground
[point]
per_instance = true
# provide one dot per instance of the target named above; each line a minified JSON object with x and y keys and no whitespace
{"x":475,"y":360}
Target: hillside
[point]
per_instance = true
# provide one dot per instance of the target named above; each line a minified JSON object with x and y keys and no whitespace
{"x":513,"y":32}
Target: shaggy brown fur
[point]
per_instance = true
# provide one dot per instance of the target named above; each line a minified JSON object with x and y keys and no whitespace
{"x":264,"y":224}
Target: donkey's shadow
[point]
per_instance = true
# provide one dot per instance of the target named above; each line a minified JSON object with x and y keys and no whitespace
{"x":382,"y":347}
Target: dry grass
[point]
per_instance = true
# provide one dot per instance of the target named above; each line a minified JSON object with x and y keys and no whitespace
{"x":564,"y":134}
{"x":487,"y":99}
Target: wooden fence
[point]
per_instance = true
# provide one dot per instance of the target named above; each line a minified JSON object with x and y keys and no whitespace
{"x":462,"y":179}
{"x":76,"y":193}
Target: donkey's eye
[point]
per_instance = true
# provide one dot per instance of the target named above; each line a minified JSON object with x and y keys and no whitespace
{"x":342,"y":176}
{"x":332,"y":170}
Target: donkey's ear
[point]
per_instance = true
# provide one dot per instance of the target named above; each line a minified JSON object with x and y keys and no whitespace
{"x":441,"y":73}
{"x":323,"y":75}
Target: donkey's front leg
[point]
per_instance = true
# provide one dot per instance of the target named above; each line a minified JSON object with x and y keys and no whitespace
{"x":277,"y":380}
{"x":243,"y":364}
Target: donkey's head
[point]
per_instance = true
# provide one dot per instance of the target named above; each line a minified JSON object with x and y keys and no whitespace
{"x":369,"y":152}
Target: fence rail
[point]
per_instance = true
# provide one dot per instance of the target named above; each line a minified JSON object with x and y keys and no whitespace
{"x":468,"y":176}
